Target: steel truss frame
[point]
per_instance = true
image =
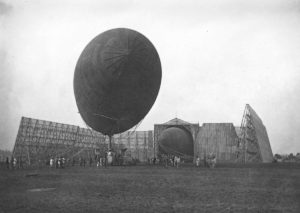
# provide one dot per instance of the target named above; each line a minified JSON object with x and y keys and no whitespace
{"x":39,"y":140}
{"x":254,"y":145}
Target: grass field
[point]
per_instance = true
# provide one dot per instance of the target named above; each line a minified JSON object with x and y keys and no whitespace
{"x":227,"y":188}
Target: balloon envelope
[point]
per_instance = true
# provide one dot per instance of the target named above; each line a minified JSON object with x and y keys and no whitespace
{"x":176,"y":141}
{"x":116,"y":80}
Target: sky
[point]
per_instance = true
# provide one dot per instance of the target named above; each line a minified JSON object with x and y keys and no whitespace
{"x":216,"y":56}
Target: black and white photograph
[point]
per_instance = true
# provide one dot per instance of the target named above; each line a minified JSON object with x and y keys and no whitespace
{"x":149,"y":106}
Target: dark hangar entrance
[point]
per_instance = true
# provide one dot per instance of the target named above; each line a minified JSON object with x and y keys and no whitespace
{"x":175,"y":137}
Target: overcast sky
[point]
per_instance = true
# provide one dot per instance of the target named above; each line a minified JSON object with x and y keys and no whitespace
{"x":216,"y":55}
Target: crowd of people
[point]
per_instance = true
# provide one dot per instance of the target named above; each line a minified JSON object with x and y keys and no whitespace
{"x":111,"y":158}
{"x":62,"y":162}
{"x":12,"y":163}
{"x":57,"y":162}
{"x":167,"y":160}
{"x":170,"y":160}
{"x":209,"y":160}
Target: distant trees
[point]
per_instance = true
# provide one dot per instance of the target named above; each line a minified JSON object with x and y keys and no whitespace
{"x":291,"y":156}
{"x":277,"y":156}
{"x":287,"y":158}
{"x":297,"y":157}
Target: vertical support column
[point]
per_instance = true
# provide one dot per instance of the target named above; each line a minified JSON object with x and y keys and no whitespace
{"x":145,"y":154}
{"x":27,"y":145}
{"x":137,"y":146}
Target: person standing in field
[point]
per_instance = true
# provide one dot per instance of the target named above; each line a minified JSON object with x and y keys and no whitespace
{"x":166,"y":159}
{"x":197,"y":161}
{"x":213,"y":161}
{"x":51,"y":162}
{"x":177,"y":161}
{"x":15,"y":162}
{"x":58,"y":162}
{"x":105,"y":160}
{"x":101,"y":162}
{"x":98,"y":162}
{"x":91,"y":161}
{"x":173,"y":157}
{"x":7,"y":162}
{"x":63,"y":162}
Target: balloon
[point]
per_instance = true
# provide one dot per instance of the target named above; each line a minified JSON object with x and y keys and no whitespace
{"x":116,"y":80}
{"x":176,"y":141}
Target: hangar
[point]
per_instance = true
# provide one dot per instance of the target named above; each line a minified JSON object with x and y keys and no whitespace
{"x":234,"y":144}
{"x":37,"y":140}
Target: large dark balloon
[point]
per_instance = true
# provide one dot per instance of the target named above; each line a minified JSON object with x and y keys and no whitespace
{"x":116,"y":80}
{"x":176,"y":141}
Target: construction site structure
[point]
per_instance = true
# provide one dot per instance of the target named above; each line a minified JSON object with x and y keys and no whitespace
{"x":254,"y":145}
{"x":247,"y":143}
{"x":39,"y":140}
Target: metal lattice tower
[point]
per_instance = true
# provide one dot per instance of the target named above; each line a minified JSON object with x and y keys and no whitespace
{"x":254,"y":143}
{"x":38,"y":140}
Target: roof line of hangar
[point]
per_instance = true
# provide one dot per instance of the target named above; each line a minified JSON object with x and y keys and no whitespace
{"x":178,"y":122}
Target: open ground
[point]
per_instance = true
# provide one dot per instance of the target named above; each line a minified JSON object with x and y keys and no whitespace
{"x":227,"y":188}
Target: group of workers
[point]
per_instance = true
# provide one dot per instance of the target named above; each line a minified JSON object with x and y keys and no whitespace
{"x":170,"y":160}
{"x":209,"y":160}
{"x":12,"y":163}
{"x":111,"y":158}
{"x":61,"y":162}
{"x":57,"y":162}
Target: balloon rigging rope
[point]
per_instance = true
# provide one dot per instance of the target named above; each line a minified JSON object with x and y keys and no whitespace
{"x":131,"y":132}
{"x":134,"y":130}
{"x":91,"y":131}
{"x":115,"y":119}
{"x":136,"y":126}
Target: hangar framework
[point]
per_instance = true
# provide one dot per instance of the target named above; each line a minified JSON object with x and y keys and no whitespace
{"x":254,"y":145}
{"x":247,"y":143}
{"x":38,"y":140}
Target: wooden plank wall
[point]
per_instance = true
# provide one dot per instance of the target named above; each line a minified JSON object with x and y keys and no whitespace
{"x":218,"y":138}
{"x":139,"y":144}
